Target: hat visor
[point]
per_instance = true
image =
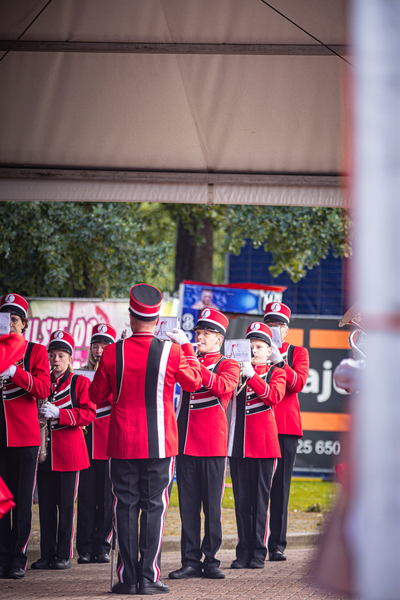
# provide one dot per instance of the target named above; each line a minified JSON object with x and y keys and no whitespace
{"x":98,"y":338}
{"x":60,"y":345}
{"x":259,"y":336}
{"x":276,"y":319}
{"x":210,"y":327}
{"x":13,"y":309}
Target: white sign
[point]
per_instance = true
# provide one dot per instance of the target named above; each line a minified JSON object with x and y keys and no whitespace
{"x":240,"y":350}
{"x":165,"y":324}
{"x":85,"y":372}
{"x":276,"y":336}
{"x":4,"y":323}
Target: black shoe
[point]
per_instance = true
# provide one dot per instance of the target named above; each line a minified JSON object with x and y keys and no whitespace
{"x":61,"y":563}
{"x":277,"y":555}
{"x":42,"y":563}
{"x":85,"y":559}
{"x":186,"y":572}
{"x":15,"y":573}
{"x":256,"y":563}
{"x":124,"y":588}
{"x":103,"y":558}
{"x":3,"y":571}
{"x":148,"y":588}
{"x":240,"y":563}
{"x":213,"y":573}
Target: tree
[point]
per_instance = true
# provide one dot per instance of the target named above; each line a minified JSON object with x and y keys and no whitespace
{"x":297,"y":237}
{"x":78,"y":249}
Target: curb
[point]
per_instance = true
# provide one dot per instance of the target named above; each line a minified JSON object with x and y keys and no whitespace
{"x":172,"y":543}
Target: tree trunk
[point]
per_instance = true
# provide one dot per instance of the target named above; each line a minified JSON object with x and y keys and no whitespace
{"x":194,"y":261}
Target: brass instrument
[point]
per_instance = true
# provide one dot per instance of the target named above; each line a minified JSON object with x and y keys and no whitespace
{"x":44,"y":434}
{"x":357,"y":336}
{"x":242,"y":380}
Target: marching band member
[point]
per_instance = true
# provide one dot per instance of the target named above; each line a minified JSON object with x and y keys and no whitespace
{"x":254,"y":448}
{"x":295,"y":362}
{"x":203,"y":444}
{"x":140,"y":372}
{"x":12,"y":348}
{"x":68,"y":409}
{"x":23,"y":382}
{"x":94,"y":523}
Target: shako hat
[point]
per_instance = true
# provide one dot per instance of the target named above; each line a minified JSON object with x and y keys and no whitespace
{"x":145,"y":302}
{"x":103,"y":334}
{"x":14,"y":303}
{"x":276,"y":312}
{"x":259,"y":331}
{"x":213,"y":320}
{"x":61,"y":340}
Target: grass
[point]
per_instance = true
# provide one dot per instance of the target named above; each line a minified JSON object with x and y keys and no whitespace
{"x":305,"y":495}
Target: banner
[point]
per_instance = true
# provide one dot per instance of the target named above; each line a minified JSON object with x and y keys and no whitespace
{"x":324,"y":407}
{"x":240,"y":298}
{"x":78,"y":317}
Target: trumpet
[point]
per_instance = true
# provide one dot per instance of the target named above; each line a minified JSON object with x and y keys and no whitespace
{"x":44,"y":434}
{"x":357,"y":345}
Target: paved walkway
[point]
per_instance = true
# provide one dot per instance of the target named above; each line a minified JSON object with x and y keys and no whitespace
{"x":278,"y":581}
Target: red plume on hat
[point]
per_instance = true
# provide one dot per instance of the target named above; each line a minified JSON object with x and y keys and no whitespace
{"x":61,"y":340}
{"x":145,"y":302}
{"x":213,"y":320}
{"x":103,"y":334}
{"x":259,"y":331}
{"x":14,"y":303}
{"x":276,"y":312}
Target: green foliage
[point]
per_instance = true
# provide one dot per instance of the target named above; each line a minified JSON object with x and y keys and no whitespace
{"x":77,"y":248}
{"x":297,"y":237}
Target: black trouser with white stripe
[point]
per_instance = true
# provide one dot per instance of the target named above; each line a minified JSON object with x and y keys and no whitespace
{"x":140,"y":484}
{"x":280,"y":492}
{"x":201,"y":480}
{"x":18,"y":469}
{"x":94,"y":524}
{"x":57,"y":489}
{"x":251,"y":483}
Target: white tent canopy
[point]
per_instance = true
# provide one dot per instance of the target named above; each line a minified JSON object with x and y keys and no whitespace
{"x":203,"y":101}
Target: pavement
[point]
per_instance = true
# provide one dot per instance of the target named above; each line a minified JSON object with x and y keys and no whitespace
{"x":290,"y":580}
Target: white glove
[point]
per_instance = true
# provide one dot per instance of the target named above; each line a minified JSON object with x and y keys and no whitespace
{"x":248,"y":370}
{"x":178,"y":336}
{"x":275,"y":356}
{"x":348,"y":373}
{"x":10,"y":372}
{"x":49,"y":411}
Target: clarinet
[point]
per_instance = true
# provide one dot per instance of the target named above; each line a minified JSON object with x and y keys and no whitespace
{"x":44,"y":433}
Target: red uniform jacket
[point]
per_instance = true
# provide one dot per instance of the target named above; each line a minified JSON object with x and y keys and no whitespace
{"x":12,"y":348}
{"x":140,"y":374}
{"x":97,"y":432}
{"x":30,"y":382}
{"x":287,"y":412}
{"x":253,"y":432}
{"x":67,"y":448}
{"x":202,"y":420}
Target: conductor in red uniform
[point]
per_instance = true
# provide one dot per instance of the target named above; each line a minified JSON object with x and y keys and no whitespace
{"x":94,"y":523}
{"x":23,"y":382}
{"x":254,"y":448}
{"x":203,"y":445}
{"x":140,"y":373}
{"x":295,"y":362}
{"x":67,"y":411}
